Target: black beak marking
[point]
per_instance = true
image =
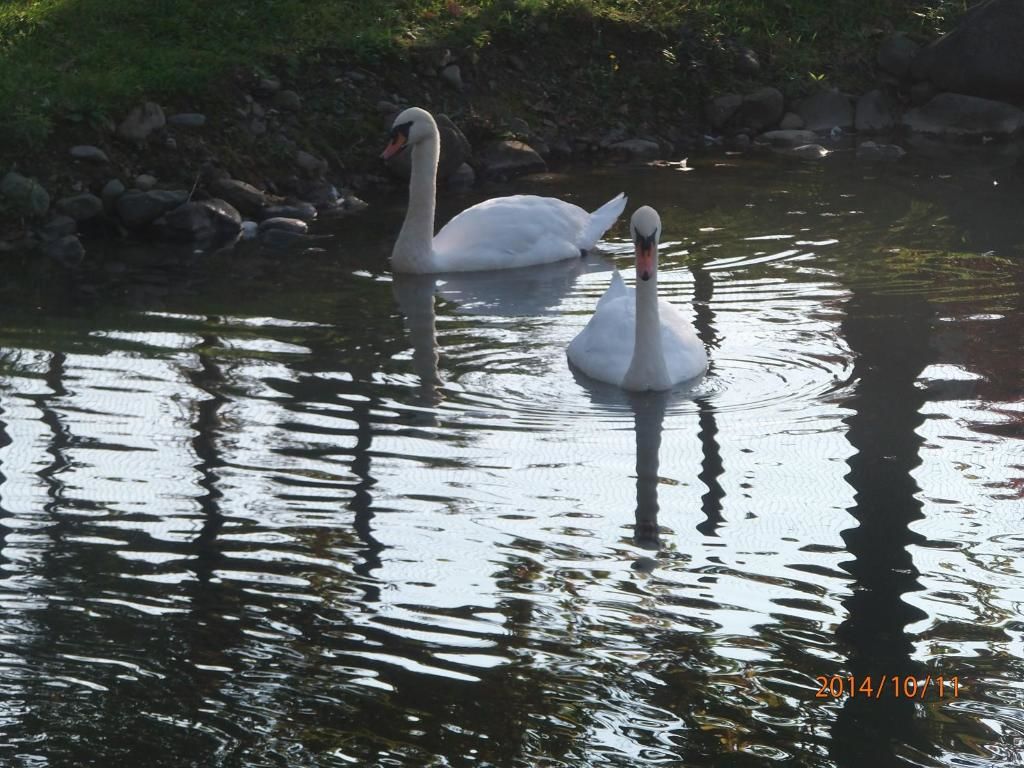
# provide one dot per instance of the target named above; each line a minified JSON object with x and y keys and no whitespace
{"x":645,"y":243}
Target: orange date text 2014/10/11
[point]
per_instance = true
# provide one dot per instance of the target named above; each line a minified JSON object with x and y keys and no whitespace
{"x":894,"y":686}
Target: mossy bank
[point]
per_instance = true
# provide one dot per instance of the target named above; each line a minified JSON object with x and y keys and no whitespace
{"x":291,"y":99}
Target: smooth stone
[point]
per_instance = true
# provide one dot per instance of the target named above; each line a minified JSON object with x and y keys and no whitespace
{"x":518,"y":127}
{"x":826,"y":110}
{"x":257,"y":126}
{"x":187,"y":120}
{"x":137,"y":209}
{"x":463,"y":178}
{"x":637,"y":149}
{"x":959,"y":116}
{"x":789,"y":138}
{"x":301,"y":210}
{"x":90,"y":153}
{"x":746,"y":62}
{"x":386,"y":107}
{"x":506,"y":159}
{"x":269,"y":84}
{"x":249,"y":230}
{"x":791,"y":121}
{"x":808,"y":152}
{"x":311,"y":164}
{"x":721,"y":109}
{"x":981,"y":56}
{"x":245,"y":197}
{"x":896,"y":54}
{"x":112,"y":190}
{"x":278,"y":238}
{"x":200,"y":221}
{"x":24,"y":195}
{"x":67,"y":250}
{"x":280,"y":222}
{"x":59,"y":226}
{"x":760,"y":109}
{"x":289,"y":101}
{"x":80,"y":207}
{"x":870,"y":151}
{"x":873,"y":113}
{"x":145,"y":182}
{"x":141,"y":122}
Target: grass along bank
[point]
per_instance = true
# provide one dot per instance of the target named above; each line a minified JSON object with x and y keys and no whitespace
{"x":87,"y":61}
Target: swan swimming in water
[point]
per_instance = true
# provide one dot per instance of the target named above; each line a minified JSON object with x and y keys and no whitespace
{"x":634,"y":339}
{"x":500,"y":233}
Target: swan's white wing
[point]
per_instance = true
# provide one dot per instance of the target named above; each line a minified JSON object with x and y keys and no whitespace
{"x":508,"y":232}
{"x":684,"y":352}
{"x":604,"y":348}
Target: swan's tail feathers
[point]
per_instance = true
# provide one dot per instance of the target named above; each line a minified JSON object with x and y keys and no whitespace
{"x":601,"y":221}
{"x":615,"y":289}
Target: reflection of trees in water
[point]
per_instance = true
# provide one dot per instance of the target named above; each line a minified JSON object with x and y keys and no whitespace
{"x":890,"y":336}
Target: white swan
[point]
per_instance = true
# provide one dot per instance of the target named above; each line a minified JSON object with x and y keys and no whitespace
{"x":501,"y":233}
{"x":634,"y":339}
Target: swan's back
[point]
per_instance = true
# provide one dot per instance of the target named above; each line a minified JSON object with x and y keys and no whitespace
{"x":508,"y":232}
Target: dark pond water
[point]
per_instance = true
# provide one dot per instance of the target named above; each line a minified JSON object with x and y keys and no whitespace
{"x":258,"y":511}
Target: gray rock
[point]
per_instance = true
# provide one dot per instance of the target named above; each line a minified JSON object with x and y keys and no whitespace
{"x":506,"y":159}
{"x":826,"y":110}
{"x":299,"y":210}
{"x":280,"y":222}
{"x":873,"y":113}
{"x":896,"y":54}
{"x":982,"y":55}
{"x":386,"y":107}
{"x":279,"y":238}
{"x":872,"y":152}
{"x":80,"y":207}
{"x":311,"y":164}
{"x":187,"y":120}
{"x":463,"y":178}
{"x":637,"y":149}
{"x":808,"y":152}
{"x":455,"y":150}
{"x":289,"y":101}
{"x":141,"y":123}
{"x":791,"y":121}
{"x":269,"y":84}
{"x":257,"y":126}
{"x":746,"y":62}
{"x":24,"y":196}
{"x":112,"y":190}
{"x":145,"y":182}
{"x":921,"y":93}
{"x":67,"y":250}
{"x":721,"y":109}
{"x":137,"y":209}
{"x":58,"y":227}
{"x":760,"y":110}
{"x":452,"y":75}
{"x":789,"y":138}
{"x":245,"y":197}
{"x":200,"y":221}
{"x":954,"y":115}
{"x":519,"y":127}
{"x":89,"y":153}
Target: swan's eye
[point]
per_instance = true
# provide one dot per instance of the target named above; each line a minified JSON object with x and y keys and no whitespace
{"x":401,"y":130}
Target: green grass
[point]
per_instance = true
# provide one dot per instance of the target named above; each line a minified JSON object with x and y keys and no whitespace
{"x":83,"y":60}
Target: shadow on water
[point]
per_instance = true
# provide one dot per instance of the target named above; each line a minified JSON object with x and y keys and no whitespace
{"x":890,"y":336}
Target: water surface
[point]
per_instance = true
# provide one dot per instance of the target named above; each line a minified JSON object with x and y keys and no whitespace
{"x":266,"y":511}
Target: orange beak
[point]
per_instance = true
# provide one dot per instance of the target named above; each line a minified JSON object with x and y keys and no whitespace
{"x":396,"y":145}
{"x":645,"y":258}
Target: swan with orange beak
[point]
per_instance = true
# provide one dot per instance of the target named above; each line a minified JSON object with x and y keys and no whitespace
{"x":634,"y":339}
{"x":500,"y":233}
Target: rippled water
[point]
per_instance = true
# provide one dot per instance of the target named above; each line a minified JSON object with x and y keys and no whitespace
{"x":264,"y":511}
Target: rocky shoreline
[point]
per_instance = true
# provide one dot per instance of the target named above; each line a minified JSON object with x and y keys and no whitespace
{"x":263,"y":161}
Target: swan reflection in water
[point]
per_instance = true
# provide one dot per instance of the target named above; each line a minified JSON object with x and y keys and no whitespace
{"x":528,"y":292}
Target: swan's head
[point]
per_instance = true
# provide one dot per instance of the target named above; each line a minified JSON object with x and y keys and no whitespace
{"x":410,"y":127}
{"x":646,"y":228}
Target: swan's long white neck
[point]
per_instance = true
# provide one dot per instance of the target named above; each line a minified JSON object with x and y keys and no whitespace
{"x":647,"y":369}
{"x":414,"y":250}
